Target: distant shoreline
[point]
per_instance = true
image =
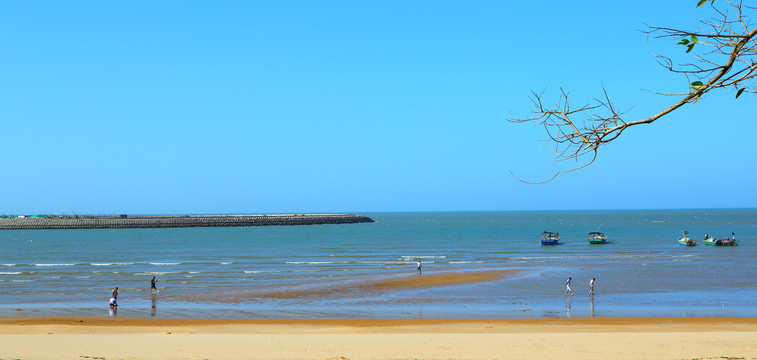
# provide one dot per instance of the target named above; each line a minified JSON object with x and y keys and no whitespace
{"x":50,"y":222}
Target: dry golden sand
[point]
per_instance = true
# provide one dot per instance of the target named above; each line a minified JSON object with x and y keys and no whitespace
{"x":132,"y":338}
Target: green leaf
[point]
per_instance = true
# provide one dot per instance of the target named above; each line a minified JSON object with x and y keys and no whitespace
{"x":739,"y":92}
{"x":694,"y":39}
{"x":701,"y":2}
{"x":696,"y":85}
{"x":683,"y":42}
{"x":691,"y":46}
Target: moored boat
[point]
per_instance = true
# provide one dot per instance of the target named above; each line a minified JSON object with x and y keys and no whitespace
{"x":596,"y":237}
{"x":720,"y":242}
{"x":726,"y":242}
{"x":686,"y":240}
{"x":550,"y":238}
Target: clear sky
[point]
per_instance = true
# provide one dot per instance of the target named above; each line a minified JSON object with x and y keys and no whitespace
{"x":348,"y":106}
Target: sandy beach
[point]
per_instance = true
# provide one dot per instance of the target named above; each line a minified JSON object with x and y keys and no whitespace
{"x":128,"y":337}
{"x":620,"y":338}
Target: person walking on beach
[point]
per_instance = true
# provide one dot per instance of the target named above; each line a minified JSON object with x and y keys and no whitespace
{"x":591,"y":287}
{"x":152,"y":284}
{"x":418,"y":268}
{"x":568,"y":290}
{"x":114,"y":293}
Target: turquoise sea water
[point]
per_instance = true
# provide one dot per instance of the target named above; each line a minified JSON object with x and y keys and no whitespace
{"x":233,"y":272}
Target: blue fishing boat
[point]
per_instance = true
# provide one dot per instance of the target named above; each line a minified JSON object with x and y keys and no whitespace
{"x":550,"y":238}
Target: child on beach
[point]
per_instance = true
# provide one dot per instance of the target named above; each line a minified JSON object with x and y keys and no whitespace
{"x":591,"y":286}
{"x":418,"y":268}
{"x":568,"y":290}
{"x":152,"y":284}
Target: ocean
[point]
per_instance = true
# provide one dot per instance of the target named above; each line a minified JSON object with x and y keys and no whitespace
{"x":326,"y":271}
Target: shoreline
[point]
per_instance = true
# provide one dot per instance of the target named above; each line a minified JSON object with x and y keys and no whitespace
{"x":631,"y":324}
{"x":616,"y":338}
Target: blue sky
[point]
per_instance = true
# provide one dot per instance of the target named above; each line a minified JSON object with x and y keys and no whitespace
{"x":348,"y":106}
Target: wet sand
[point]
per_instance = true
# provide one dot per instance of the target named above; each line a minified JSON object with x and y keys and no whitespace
{"x":367,"y":286}
{"x":587,"y":338}
{"x":133,"y":338}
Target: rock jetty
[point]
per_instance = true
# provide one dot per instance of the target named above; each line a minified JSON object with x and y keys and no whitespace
{"x":173,"y":221}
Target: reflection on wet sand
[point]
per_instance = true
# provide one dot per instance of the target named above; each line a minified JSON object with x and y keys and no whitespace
{"x":350,"y":289}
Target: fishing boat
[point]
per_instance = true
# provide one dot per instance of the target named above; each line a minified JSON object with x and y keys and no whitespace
{"x":596,"y":237}
{"x":686,"y":240}
{"x":725,"y":241}
{"x":550,"y":238}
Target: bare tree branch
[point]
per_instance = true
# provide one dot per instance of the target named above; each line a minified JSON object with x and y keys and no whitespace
{"x":728,"y":59}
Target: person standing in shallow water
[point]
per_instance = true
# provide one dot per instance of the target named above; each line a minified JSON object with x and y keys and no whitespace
{"x":568,"y":290}
{"x":152,"y":284}
{"x":418,"y":268}
{"x":591,"y":286}
{"x":113,"y":296}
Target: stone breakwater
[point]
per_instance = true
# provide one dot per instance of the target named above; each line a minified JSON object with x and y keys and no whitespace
{"x":176,"y":221}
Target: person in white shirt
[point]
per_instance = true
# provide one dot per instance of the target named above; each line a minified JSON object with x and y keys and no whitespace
{"x":591,"y":287}
{"x":418,"y":269}
{"x":568,"y":290}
